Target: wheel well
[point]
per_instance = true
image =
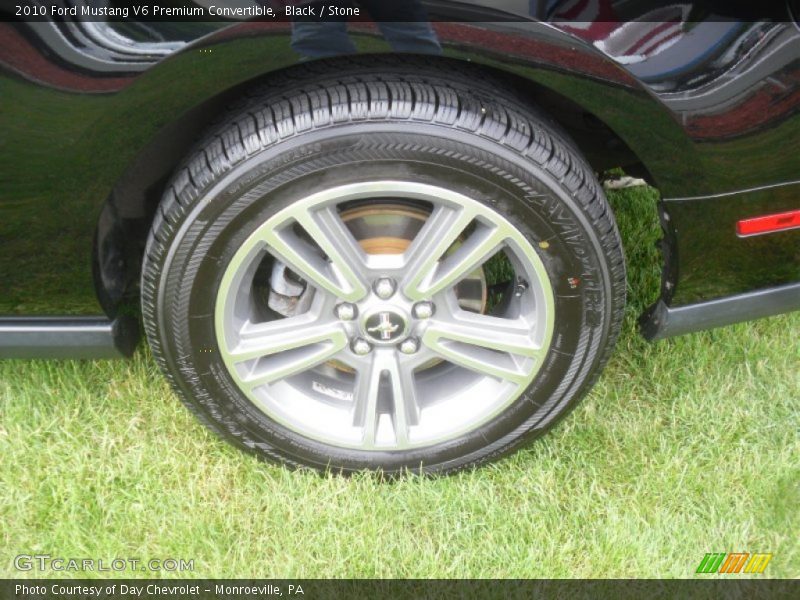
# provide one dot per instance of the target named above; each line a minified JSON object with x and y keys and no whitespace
{"x":128,"y":213}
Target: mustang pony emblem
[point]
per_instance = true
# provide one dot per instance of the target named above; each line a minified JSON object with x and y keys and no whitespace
{"x":386,"y":328}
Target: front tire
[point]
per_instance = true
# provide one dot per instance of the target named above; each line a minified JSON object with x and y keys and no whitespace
{"x":402,"y":270}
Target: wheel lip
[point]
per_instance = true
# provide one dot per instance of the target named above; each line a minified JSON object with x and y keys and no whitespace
{"x":366,"y":190}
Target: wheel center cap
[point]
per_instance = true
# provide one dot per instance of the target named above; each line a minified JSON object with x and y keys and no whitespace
{"x":385,"y":325}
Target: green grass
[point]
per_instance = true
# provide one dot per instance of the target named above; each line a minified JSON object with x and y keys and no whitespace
{"x":684,"y":447}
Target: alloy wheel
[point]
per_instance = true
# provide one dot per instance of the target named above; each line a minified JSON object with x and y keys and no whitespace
{"x":368,"y":316}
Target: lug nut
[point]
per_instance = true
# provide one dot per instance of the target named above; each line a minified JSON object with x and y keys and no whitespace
{"x":384,"y":288}
{"x":346,"y":312}
{"x":409,"y":346}
{"x":361,"y":347}
{"x":424,"y":310}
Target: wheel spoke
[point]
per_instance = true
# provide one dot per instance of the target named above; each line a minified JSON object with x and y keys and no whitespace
{"x":432,"y":271}
{"x":347,"y":258}
{"x":366,"y":401}
{"x":286,"y":347}
{"x":385,"y":366}
{"x":440,"y":231}
{"x":476,"y":250}
{"x":340,"y":274}
{"x":404,"y":402}
{"x":488,"y":345}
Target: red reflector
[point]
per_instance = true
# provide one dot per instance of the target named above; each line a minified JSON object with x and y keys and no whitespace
{"x":769,"y":223}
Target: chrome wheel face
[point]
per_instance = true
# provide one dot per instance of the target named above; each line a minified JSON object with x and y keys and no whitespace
{"x":383,"y":316}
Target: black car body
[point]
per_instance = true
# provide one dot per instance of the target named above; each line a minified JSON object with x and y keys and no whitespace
{"x":700,"y":99}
